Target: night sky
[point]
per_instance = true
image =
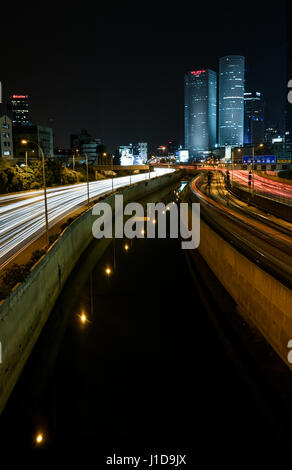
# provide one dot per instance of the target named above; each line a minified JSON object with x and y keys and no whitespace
{"x":117,"y":70}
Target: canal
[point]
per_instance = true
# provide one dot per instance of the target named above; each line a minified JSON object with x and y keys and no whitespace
{"x":130,"y":358}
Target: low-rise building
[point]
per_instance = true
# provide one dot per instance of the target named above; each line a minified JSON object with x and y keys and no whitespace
{"x":6,"y":138}
{"x":86,"y":145}
{"x":40,"y":135}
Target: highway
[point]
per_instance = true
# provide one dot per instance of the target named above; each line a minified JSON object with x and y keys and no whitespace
{"x":266,"y":239}
{"x":22,"y":217}
{"x":264,"y":184}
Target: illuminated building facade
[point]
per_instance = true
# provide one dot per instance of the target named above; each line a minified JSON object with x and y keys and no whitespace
{"x":200,"y":111}
{"x":289,"y":79}
{"x":18,"y":109}
{"x":253,"y":118}
{"x":133,"y":154}
{"x":6,"y":138}
{"x":231,"y":100}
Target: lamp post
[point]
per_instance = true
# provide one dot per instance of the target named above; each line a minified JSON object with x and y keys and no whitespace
{"x":24,"y":142}
{"x":252,"y":172}
{"x":112,"y":175}
{"x":74,"y":157}
{"x":87,"y":182}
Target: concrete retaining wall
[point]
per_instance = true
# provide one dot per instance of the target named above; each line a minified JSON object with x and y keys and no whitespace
{"x":269,"y":205}
{"x":24,"y":313}
{"x":261,"y":299}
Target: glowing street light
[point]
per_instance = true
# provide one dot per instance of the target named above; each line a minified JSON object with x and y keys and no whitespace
{"x":252,"y":172}
{"x":39,"y":438}
{"x":83,"y":318}
{"x":25,"y":142}
{"x":126,"y":247}
{"x":87,"y":180}
{"x":108,"y":271}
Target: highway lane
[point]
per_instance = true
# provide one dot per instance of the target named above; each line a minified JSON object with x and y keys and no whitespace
{"x":22,"y":214}
{"x":264,"y":184}
{"x":267,"y":243}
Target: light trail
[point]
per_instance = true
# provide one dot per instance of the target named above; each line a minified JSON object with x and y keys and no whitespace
{"x":22,"y":216}
{"x":264,"y":184}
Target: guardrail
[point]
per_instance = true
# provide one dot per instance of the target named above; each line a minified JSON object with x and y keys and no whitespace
{"x":259,"y":192}
{"x":214,"y":217}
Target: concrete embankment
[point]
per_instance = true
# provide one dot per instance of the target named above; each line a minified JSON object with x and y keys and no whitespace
{"x":24,"y":313}
{"x":268,"y":205}
{"x":261,"y":299}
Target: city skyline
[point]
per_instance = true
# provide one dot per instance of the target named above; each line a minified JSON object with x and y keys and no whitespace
{"x":142,"y":79}
{"x":146,"y":230}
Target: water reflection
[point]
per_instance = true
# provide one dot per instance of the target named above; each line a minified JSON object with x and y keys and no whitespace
{"x":66,"y":350}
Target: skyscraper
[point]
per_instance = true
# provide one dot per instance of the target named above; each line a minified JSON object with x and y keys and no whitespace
{"x":231,"y":100}
{"x":200,"y":112}
{"x":18,"y":109}
{"x":253,"y":118}
{"x":289,"y":72}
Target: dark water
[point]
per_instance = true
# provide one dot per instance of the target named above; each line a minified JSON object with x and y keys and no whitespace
{"x":146,"y":369}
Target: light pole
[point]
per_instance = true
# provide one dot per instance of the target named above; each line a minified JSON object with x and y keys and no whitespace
{"x":112,"y":175}
{"x":26,"y":159}
{"x":87,"y":182}
{"x":252,"y":172}
{"x":232,"y":154}
{"x":24,"y":142}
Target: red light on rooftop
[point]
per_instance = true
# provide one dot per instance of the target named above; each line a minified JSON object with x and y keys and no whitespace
{"x":198,"y":72}
{"x":18,"y":96}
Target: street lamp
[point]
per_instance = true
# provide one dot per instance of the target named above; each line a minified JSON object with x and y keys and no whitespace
{"x":87,"y":182}
{"x":75,"y":155}
{"x":252,"y":172}
{"x":25,"y":142}
{"x":112,"y":175}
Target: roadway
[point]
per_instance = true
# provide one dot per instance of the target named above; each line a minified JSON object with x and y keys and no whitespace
{"x":264,"y":184}
{"x":267,"y":239}
{"x":22,"y":217}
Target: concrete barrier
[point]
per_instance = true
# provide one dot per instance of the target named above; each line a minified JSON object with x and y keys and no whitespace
{"x":268,"y":205}
{"x":24,"y":313}
{"x":261,"y":299}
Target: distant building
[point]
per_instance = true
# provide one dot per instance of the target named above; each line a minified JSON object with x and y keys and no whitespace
{"x":161,"y":151}
{"x":172,"y":148}
{"x":18,"y":109}
{"x":126,"y":155}
{"x":6,"y":138}
{"x":34,"y":134}
{"x":289,"y":72}
{"x":133,"y":154}
{"x":140,"y":153}
{"x":182,"y":155}
{"x":86,"y":144}
{"x":200,"y":111}
{"x":270,"y":134}
{"x":65,"y":155}
{"x":231,"y":100}
{"x":253,"y":118}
